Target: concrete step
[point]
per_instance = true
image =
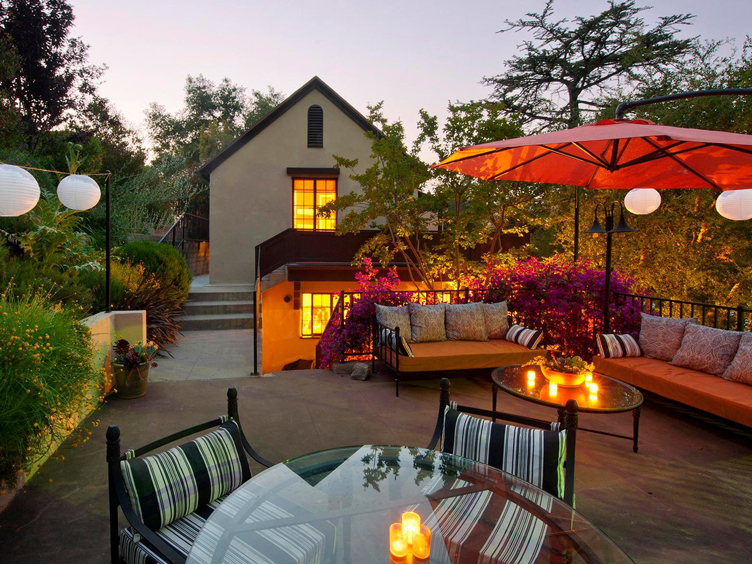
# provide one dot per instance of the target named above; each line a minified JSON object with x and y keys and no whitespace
{"x":202,"y":307}
{"x":222,"y":296}
{"x":216,"y":322}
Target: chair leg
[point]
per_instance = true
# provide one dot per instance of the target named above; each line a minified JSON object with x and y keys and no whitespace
{"x":636,"y":428}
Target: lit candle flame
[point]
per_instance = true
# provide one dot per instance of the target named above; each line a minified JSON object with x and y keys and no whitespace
{"x":552,"y":389}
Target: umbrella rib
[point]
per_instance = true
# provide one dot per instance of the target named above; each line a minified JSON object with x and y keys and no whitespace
{"x":734,"y":148}
{"x":615,"y":154}
{"x":655,"y":155}
{"x":603,"y":162}
{"x":598,"y":162}
{"x":685,"y":165}
{"x":468,"y":157}
{"x":515,"y":167}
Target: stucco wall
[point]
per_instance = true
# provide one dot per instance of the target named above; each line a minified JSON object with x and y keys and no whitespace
{"x":251,"y":192}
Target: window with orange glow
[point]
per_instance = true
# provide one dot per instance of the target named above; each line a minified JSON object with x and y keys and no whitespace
{"x":315,"y":311}
{"x":308,"y":196}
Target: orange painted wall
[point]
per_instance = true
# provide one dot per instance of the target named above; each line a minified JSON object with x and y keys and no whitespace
{"x":281,"y":340}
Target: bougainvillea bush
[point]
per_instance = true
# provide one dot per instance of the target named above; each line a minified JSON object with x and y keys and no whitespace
{"x":356,"y":333}
{"x":46,"y":377}
{"x":563,"y":297}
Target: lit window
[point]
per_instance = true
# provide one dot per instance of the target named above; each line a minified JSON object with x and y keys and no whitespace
{"x":308,"y":196}
{"x":315,"y":311}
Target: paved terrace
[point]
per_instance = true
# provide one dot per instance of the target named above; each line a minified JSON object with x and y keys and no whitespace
{"x":686,"y":497}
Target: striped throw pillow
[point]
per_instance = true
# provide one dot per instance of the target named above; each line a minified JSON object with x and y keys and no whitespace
{"x":617,"y":346}
{"x":526,"y":337}
{"x":534,"y":455}
{"x":167,"y":486}
{"x":402,"y":348}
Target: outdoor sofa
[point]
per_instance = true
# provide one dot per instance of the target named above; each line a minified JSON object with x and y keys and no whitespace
{"x":484,"y":342}
{"x":693,"y":365}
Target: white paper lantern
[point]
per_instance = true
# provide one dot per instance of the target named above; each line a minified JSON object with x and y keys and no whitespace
{"x":735,"y":204}
{"x":642,"y":201}
{"x":19,"y":191}
{"x":78,"y":192}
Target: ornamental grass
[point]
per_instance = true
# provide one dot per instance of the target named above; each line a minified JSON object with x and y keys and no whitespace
{"x":46,"y":379}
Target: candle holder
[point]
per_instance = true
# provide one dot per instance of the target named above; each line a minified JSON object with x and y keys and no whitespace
{"x":409,"y":540}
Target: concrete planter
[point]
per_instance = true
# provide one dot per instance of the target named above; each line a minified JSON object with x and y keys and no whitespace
{"x":130,"y":382}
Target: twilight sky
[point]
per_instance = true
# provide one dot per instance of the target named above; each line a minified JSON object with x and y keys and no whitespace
{"x":411,"y":53}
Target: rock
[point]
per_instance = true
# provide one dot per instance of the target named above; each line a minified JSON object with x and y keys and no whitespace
{"x":360,"y":372}
{"x":343,"y":368}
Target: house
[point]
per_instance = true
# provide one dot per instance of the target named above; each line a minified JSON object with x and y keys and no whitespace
{"x":265,"y":234}
{"x":264,"y":191}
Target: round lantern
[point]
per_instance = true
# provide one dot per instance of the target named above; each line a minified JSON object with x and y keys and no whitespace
{"x":735,"y":204}
{"x":78,"y":192}
{"x":19,"y":191}
{"x":642,"y":201}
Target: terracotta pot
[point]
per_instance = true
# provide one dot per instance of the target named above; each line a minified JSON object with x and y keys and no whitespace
{"x":130,"y":383}
{"x":564,"y":379}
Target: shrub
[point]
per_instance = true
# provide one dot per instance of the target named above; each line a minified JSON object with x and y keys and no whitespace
{"x":565,"y":297}
{"x":163,"y":261}
{"x":134,"y":289}
{"x":46,"y":376}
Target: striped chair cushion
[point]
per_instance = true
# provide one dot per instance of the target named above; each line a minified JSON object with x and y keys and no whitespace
{"x":534,"y":455}
{"x":526,"y":337}
{"x":481,"y":527}
{"x":294,"y":544}
{"x":179,"y":535}
{"x":167,"y":486}
{"x":617,"y":346}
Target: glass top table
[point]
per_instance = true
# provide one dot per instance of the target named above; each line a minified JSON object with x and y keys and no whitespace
{"x":337,"y":506}
{"x":613,"y":396}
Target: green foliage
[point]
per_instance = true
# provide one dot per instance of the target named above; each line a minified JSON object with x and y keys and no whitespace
{"x":163,"y":261}
{"x":134,"y":289}
{"x":581,"y":61}
{"x":53,"y":76}
{"x":389,"y":199}
{"x":46,"y":376}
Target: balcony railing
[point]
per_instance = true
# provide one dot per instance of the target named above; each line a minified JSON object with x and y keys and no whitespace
{"x":187,"y":227}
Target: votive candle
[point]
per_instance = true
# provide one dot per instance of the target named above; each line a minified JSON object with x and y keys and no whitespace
{"x":552,"y":389}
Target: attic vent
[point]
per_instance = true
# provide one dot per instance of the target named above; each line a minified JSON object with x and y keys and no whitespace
{"x":315,"y":126}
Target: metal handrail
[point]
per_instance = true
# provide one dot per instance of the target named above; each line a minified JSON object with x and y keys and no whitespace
{"x":706,"y":314}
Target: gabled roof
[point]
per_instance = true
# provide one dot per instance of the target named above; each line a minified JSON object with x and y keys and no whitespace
{"x":314,"y":84}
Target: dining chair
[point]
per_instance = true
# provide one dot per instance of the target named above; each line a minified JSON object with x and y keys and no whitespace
{"x":167,"y":497}
{"x":543,"y":455}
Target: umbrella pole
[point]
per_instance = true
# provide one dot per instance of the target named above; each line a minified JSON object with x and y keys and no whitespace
{"x":576,"y":222}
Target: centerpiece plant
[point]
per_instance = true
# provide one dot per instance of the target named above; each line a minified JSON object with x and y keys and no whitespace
{"x":131,"y":367}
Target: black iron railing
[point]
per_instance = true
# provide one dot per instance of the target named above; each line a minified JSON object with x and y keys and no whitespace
{"x":187,"y":227}
{"x":737,"y":318}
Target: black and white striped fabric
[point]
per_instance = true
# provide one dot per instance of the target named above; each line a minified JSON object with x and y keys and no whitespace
{"x":481,"y":527}
{"x":526,"y":337}
{"x":179,"y":535}
{"x":167,"y":486}
{"x":402,"y":348}
{"x":617,"y":346}
{"x":534,"y":455}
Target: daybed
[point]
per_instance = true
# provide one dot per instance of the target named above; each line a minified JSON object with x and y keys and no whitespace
{"x":703,"y":367}
{"x":452,"y":354}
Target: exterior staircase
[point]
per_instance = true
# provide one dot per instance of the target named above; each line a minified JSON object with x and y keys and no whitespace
{"x":214,"y":308}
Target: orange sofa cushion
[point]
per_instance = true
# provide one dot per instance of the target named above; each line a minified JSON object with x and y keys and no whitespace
{"x":465,"y":355}
{"x":713,"y":394}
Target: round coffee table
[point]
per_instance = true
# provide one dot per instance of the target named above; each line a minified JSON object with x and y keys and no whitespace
{"x":613,"y":396}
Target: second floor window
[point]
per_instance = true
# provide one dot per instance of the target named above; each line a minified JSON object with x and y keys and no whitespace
{"x":308,"y":196}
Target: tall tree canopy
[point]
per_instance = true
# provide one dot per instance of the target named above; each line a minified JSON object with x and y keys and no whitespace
{"x":54,"y":76}
{"x":568,"y":66}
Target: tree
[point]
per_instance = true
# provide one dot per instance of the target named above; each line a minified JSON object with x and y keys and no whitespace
{"x":685,"y":249}
{"x":214,"y":115}
{"x":390,"y":199}
{"x":471,"y":211}
{"x":54,"y":77}
{"x":580,"y":63}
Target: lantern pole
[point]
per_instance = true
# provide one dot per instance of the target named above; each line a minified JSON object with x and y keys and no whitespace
{"x":108,"y":235}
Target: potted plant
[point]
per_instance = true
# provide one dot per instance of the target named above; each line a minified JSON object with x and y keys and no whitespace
{"x":564,"y":371}
{"x":131,"y":367}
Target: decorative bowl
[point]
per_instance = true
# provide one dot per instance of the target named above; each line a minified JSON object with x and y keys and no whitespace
{"x":564,"y":379}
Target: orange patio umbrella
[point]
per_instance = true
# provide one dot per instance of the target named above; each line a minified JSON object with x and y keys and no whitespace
{"x":615,"y":154}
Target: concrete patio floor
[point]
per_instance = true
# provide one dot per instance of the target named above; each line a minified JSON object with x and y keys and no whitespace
{"x":686,"y":497}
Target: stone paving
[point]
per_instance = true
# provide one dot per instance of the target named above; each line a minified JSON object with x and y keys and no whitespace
{"x":686,"y":497}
